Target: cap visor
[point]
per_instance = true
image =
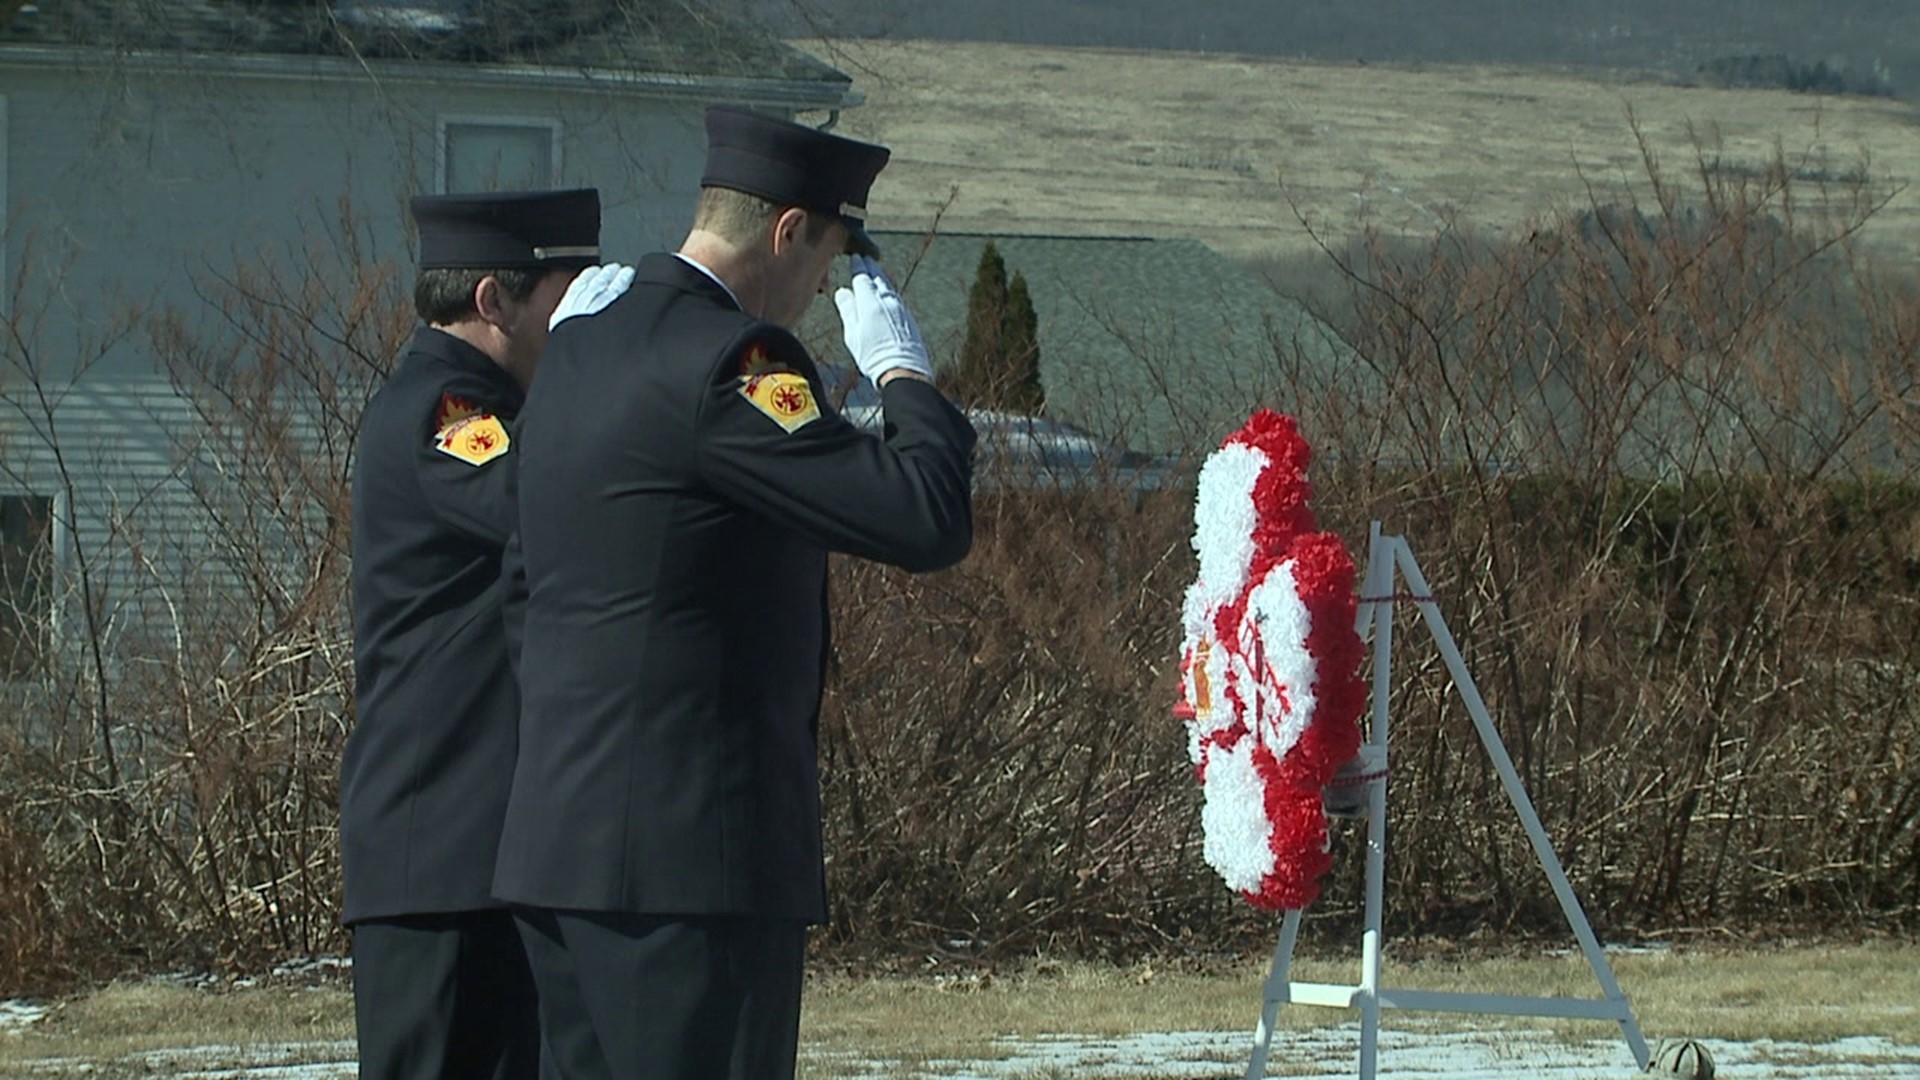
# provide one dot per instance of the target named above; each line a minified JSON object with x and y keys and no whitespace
{"x":858,"y":242}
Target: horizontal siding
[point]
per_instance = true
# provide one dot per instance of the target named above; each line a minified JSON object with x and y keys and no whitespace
{"x":168,"y":512}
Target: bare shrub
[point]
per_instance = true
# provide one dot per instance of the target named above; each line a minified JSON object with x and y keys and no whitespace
{"x":172,"y":780}
{"x":1002,"y":771}
{"x":1657,"y":457}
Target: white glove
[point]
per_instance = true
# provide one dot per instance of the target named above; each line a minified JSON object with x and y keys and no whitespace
{"x":879,"y":329}
{"x":591,"y":289}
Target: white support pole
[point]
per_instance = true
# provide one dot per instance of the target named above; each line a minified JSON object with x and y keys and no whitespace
{"x":1378,"y":574}
{"x":1374,"y":619}
{"x":1273,"y":995}
{"x":1277,"y":990}
{"x":1377,"y":596}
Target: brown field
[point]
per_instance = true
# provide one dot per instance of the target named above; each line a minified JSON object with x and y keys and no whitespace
{"x":1113,"y":142}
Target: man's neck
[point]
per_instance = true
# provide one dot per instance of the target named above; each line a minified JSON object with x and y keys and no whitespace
{"x":707,"y":271}
{"x":728,"y":265}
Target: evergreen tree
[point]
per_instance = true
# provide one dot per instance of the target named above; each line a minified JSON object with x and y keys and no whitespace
{"x":999,"y":363}
{"x":974,"y":374}
{"x":1020,"y":350}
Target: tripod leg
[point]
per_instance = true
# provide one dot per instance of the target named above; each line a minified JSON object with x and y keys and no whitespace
{"x":1274,"y":995}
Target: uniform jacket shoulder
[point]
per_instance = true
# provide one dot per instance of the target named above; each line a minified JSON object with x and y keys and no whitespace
{"x":702,"y":313}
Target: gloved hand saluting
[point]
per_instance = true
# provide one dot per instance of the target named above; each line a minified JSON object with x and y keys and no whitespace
{"x":879,"y":329}
{"x":592,"y":289}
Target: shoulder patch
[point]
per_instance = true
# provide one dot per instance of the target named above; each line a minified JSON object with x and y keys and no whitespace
{"x":782,"y":395}
{"x":755,"y":361}
{"x":454,"y":408}
{"x":475,"y":439}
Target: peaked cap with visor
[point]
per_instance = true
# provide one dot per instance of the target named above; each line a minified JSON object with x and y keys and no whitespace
{"x":794,"y":165}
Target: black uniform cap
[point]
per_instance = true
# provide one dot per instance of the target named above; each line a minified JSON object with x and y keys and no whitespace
{"x":509,"y":230}
{"x":794,"y":165}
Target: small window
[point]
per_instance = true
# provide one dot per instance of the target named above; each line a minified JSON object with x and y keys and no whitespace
{"x":26,"y":581}
{"x":498,"y":155}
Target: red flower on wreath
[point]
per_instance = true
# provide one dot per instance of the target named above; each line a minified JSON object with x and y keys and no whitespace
{"x":1270,"y":687}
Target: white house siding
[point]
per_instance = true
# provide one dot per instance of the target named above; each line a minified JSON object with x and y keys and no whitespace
{"x":160,"y":507}
{"x":129,"y":187}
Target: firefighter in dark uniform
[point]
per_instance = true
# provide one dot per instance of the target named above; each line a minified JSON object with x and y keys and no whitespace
{"x":441,"y":985}
{"x":682,"y":483}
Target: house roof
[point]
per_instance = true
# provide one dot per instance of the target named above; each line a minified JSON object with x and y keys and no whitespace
{"x":654,"y":36}
{"x":1161,"y":345}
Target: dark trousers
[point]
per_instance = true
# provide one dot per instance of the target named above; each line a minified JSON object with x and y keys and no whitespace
{"x":641,"y":997}
{"x":446,"y":997}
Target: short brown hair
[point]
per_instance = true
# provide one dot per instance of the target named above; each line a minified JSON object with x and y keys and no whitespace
{"x":443,"y":296}
{"x":739,"y":217}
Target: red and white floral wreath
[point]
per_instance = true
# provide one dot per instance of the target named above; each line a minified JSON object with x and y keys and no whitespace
{"x":1270,"y":687}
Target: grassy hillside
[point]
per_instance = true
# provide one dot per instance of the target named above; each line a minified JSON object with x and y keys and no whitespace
{"x":1236,"y":150}
{"x":1871,"y":41}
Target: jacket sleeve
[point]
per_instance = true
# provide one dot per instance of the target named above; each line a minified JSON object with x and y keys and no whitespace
{"x":766,"y":438}
{"x":466,"y":471}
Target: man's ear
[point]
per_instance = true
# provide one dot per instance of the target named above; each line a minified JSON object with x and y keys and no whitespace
{"x":489,"y":300}
{"x":788,"y":229}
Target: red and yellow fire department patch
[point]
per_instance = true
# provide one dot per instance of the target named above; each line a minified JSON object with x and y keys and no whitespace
{"x":782,"y":395}
{"x":453,"y":409}
{"x":757,"y":362}
{"x":468,"y":432}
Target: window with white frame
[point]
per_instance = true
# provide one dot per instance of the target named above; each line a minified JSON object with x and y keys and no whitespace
{"x":494,"y":154}
{"x":26,"y":581}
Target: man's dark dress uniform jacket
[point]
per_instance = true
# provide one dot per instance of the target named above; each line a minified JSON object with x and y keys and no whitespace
{"x":681,"y":483}
{"x":423,"y":783}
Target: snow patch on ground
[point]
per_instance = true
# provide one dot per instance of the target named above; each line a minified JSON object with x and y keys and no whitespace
{"x":334,"y":1060}
{"x":1333,"y":1054}
{"x":17,"y":1014}
{"x":1320,"y":1054}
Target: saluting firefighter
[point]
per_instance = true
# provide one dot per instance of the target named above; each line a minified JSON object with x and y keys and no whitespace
{"x":441,"y":985}
{"x":682,"y":483}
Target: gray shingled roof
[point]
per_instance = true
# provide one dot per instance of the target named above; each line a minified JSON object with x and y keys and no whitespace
{"x":1162,"y":345}
{"x":655,"y":36}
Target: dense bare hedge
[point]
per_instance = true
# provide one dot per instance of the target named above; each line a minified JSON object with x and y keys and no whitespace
{"x":1656,"y":457}
{"x":168,"y":766}
{"x":1001,"y":766}
{"x":1708,"y":689}
{"x":1709,"y":693}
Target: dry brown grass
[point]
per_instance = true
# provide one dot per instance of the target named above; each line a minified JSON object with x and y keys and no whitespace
{"x":115,"y":1029}
{"x":1809,"y":993}
{"x":1106,"y":141}
{"x":1812,"y":993}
